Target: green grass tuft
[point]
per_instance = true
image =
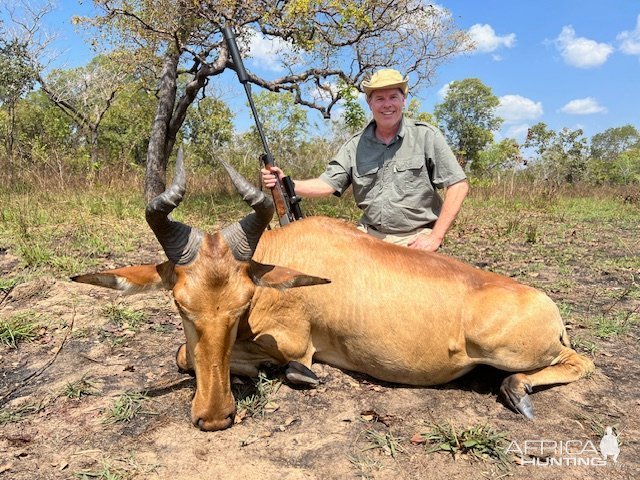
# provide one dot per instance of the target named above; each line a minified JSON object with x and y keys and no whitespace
{"x":367,"y":467}
{"x":613,"y":325}
{"x":123,"y":316}
{"x":581,"y":344}
{"x":385,"y":441}
{"x":480,"y":441}
{"x":35,"y":254}
{"x":18,"y":328}
{"x":254,"y":399}
{"x":6,"y":285}
{"x":82,"y":387}
{"x":19,"y":413}
{"x":125,"y":407}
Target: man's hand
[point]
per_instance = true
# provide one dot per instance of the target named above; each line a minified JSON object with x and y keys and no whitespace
{"x":304,"y":188}
{"x":454,"y":196}
{"x":269,"y":176}
{"x":429,"y":242}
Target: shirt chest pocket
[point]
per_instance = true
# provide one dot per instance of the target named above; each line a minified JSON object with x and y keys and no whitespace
{"x":364,"y":177}
{"x":410,"y":173}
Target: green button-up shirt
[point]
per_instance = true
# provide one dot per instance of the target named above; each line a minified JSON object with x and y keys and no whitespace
{"x":395,"y":185}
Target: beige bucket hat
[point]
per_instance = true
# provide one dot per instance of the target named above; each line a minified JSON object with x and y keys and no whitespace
{"x":386,"y":78}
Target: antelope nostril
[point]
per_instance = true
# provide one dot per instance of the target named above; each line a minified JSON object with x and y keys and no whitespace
{"x":230,"y":421}
{"x":205,"y":426}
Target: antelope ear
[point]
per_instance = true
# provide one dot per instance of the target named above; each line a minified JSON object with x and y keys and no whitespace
{"x":281,"y":277}
{"x":131,"y":280}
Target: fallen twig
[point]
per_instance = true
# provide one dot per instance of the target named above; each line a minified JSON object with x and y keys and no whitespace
{"x":6,"y":294}
{"x":100,"y":362}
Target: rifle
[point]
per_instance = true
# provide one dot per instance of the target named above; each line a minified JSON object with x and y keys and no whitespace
{"x":284,"y":195}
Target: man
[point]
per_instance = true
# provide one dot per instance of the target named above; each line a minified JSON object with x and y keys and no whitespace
{"x":395,"y":166}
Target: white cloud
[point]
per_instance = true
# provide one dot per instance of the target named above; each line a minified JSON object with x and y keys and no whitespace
{"x":442,"y":93}
{"x":630,"y":41}
{"x":579,"y":51}
{"x":519,"y":132}
{"x":268,"y":51}
{"x":515,"y":108}
{"x":583,"y":106}
{"x":486,"y":40}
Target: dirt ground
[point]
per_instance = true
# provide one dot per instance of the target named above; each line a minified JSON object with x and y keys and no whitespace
{"x":319,"y":433}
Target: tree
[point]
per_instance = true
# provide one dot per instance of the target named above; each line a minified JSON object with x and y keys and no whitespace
{"x":539,"y":138}
{"x":562,"y":155}
{"x":413,"y":111}
{"x":45,"y":136}
{"x":208,"y":127}
{"x":284,"y":122}
{"x":18,"y":79}
{"x":87,"y":93}
{"x":569,"y":154}
{"x":468,"y":117}
{"x":42,"y":126}
{"x":627,"y":166}
{"x":319,"y":43}
{"x":623,"y":170}
{"x":124,"y":129}
{"x":612,"y":142}
{"x":354,"y":116}
{"x":498,"y":157}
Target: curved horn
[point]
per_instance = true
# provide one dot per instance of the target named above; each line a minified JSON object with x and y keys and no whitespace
{"x":180,"y":242}
{"x":243,"y":236}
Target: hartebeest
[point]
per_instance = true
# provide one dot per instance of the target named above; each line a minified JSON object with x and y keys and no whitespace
{"x":397,"y":314}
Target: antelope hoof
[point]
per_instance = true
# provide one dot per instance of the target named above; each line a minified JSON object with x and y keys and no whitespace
{"x":182,"y":361}
{"x":515,"y":390}
{"x":525,"y":407}
{"x":298,"y":373}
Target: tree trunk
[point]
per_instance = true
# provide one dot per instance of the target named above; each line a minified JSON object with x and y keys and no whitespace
{"x":93,"y":138}
{"x":157,"y":152}
{"x":10,"y":140}
{"x":170,"y":116}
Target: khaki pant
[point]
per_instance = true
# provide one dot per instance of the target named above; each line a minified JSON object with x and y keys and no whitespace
{"x":399,"y":238}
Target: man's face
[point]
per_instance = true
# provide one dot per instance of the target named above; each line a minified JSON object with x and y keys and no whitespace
{"x":386,"y":106}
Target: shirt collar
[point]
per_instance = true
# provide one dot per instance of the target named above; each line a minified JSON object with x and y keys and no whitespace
{"x":369,"y":130}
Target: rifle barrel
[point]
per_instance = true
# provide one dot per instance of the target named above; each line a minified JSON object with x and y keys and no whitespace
{"x":243,"y":76}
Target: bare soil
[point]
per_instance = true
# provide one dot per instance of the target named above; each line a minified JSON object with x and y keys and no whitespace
{"x":316,"y":433}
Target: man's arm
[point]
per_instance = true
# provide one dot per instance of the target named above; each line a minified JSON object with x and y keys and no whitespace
{"x":454,"y":196}
{"x":304,"y":188}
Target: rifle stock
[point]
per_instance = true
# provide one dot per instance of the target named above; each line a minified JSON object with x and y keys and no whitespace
{"x":285,"y":215}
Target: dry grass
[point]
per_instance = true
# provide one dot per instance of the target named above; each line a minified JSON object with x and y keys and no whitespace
{"x":70,"y":224}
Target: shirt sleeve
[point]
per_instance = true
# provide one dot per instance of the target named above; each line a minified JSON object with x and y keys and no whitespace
{"x":338,"y":171}
{"x":443,"y":165}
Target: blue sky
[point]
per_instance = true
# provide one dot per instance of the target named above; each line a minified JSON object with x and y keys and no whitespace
{"x":567,"y":63}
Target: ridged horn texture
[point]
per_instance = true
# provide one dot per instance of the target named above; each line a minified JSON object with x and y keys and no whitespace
{"x":180,"y":242}
{"x":243,"y":236}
